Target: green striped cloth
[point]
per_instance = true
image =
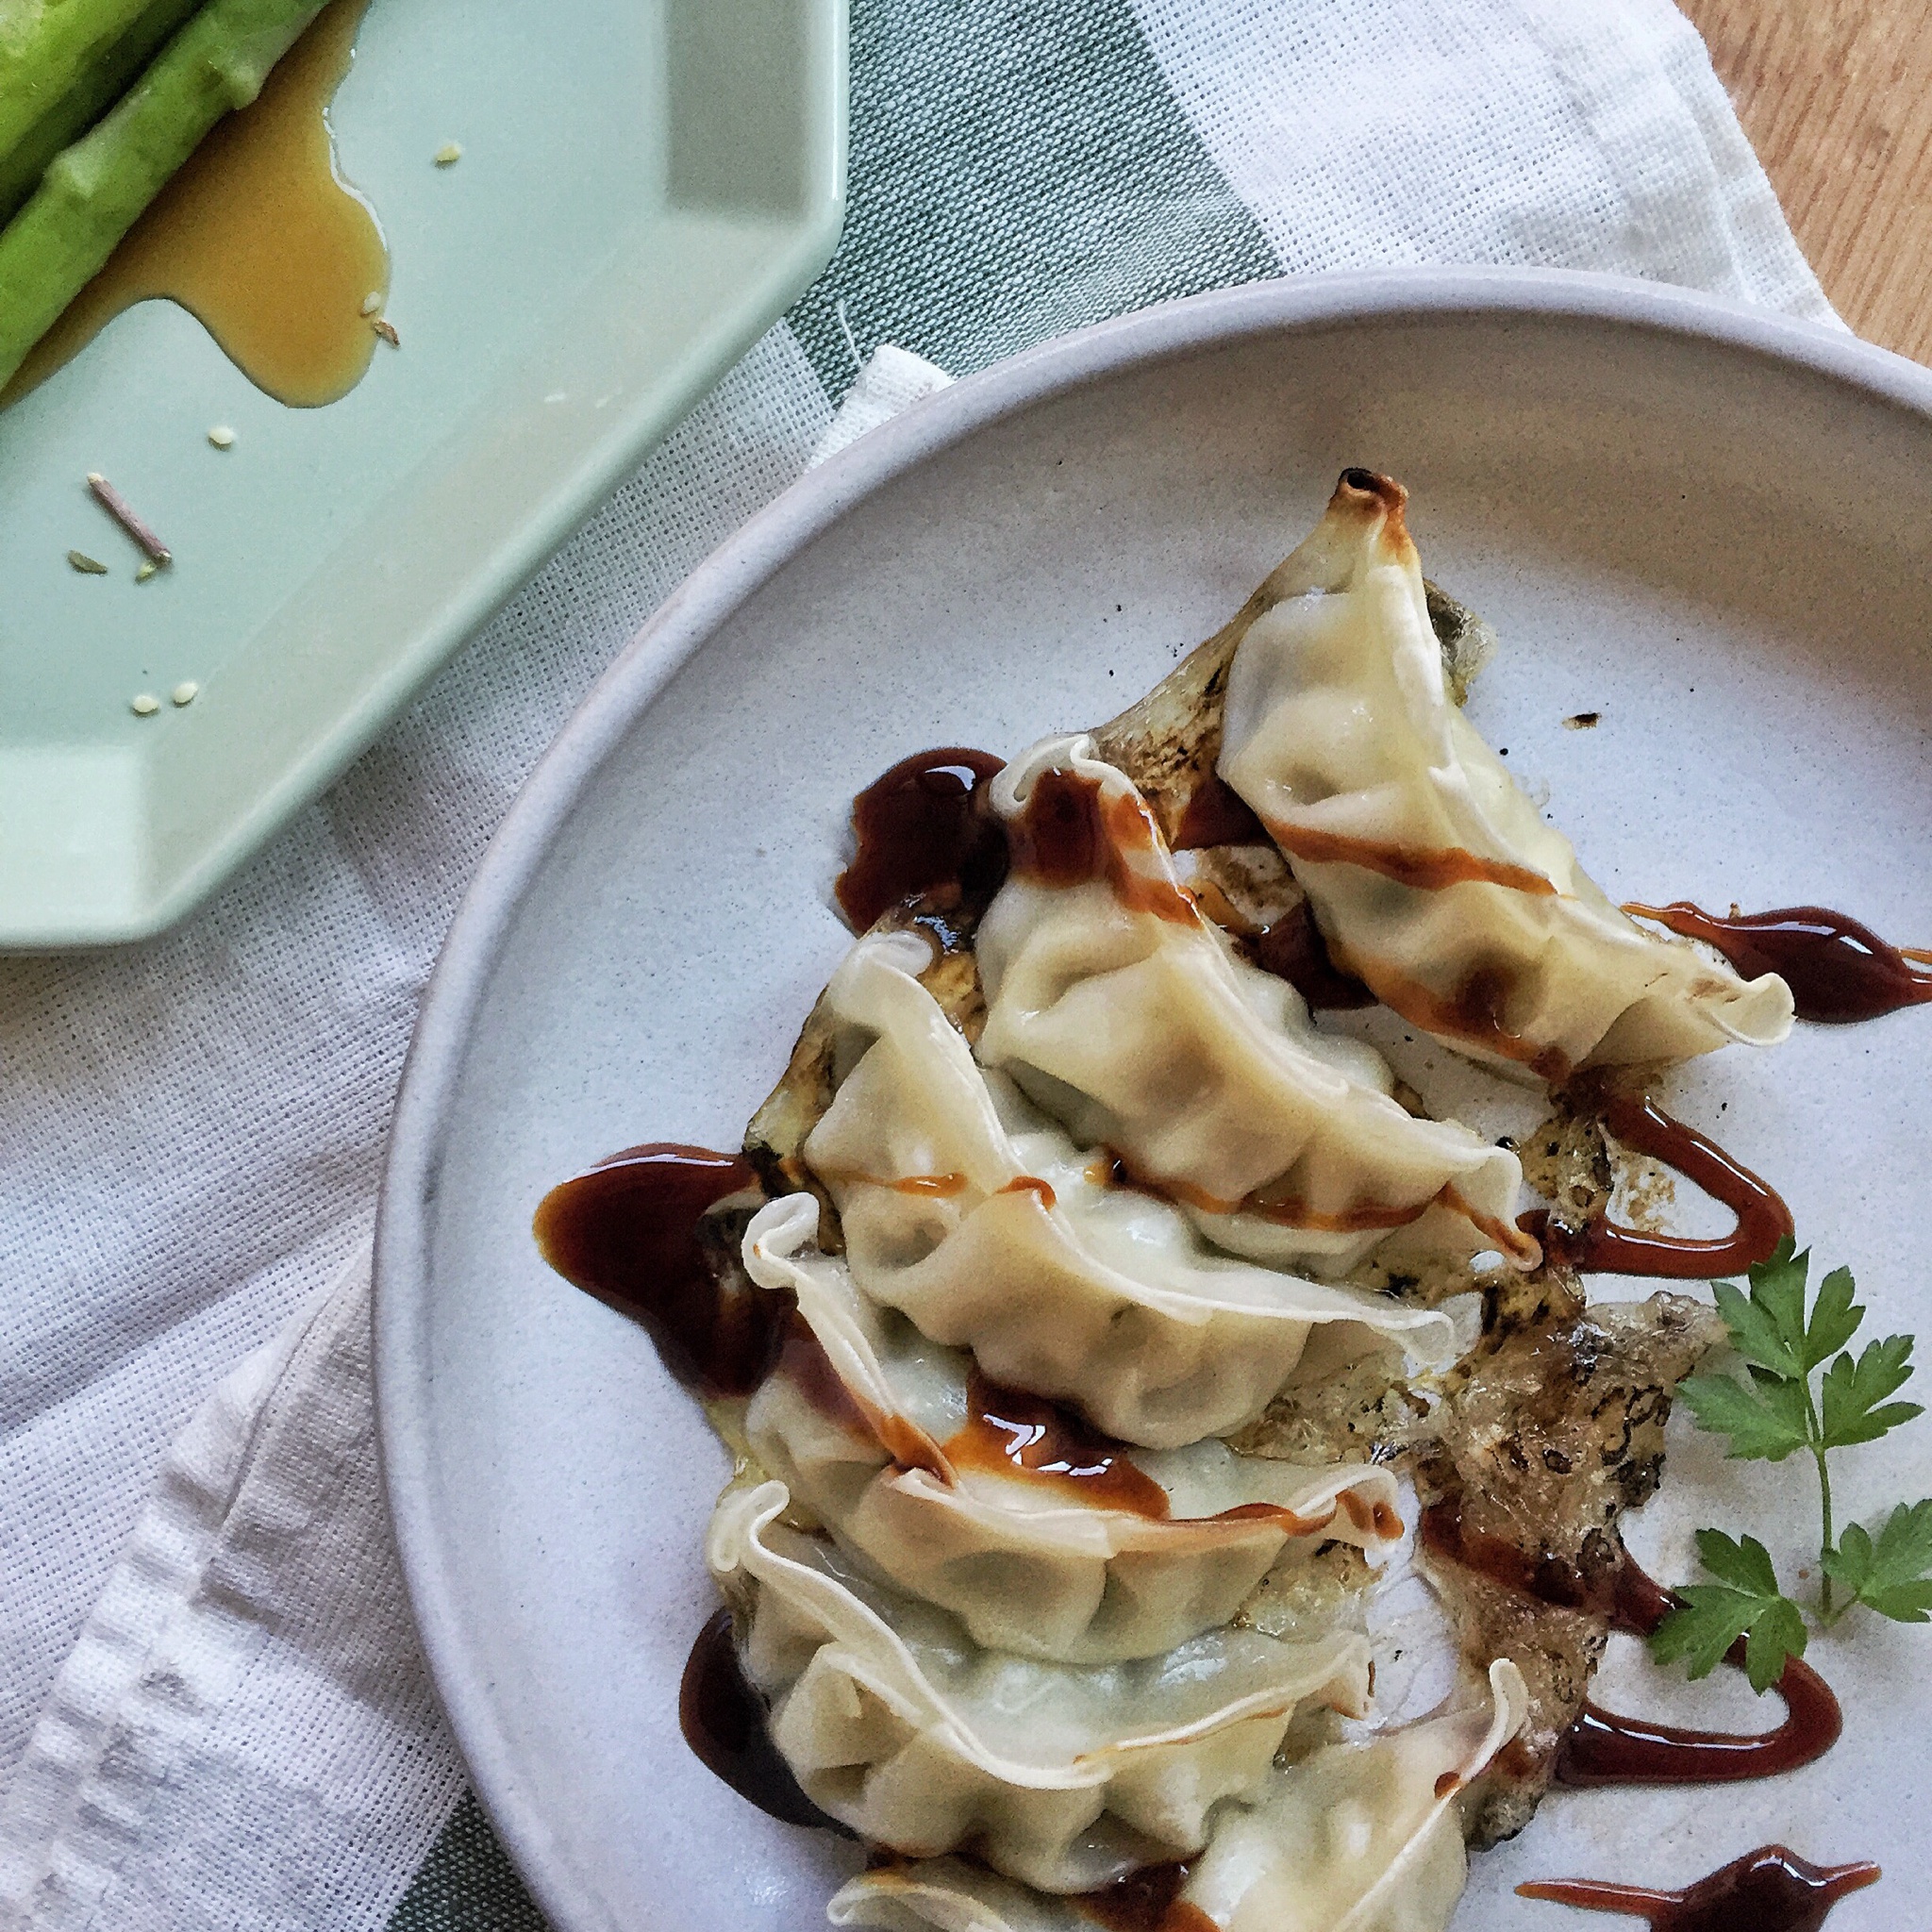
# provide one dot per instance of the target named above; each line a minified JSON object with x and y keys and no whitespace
{"x":212,"y":1709}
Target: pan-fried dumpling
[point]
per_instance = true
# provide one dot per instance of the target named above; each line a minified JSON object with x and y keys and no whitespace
{"x":1360,"y":1838}
{"x":953,"y":1896}
{"x":897,"y":1725}
{"x":960,"y":1493}
{"x":970,"y":1212}
{"x":1356,"y":1838}
{"x":1128,"y":1017}
{"x":1432,"y":877}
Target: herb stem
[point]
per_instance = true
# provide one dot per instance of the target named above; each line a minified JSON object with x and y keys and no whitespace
{"x":1815,"y":1431}
{"x":124,"y":513}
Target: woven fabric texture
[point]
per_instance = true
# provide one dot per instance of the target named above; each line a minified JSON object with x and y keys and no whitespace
{"x":194,"y":1126}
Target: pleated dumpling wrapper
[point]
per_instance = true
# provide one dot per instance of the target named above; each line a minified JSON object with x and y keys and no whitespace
{"x":972,"y":1213}
{"x":1127,"y":1016}
{"x":1066,"y":1776}
{"x":1356,"y":1838}
{"x":960,"y":1491}
{"x":1433,"y":876}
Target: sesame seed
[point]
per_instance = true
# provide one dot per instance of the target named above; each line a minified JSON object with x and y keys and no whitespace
{"x":450,"y":151}
{"x":184,"y":693}
{"x":145,"y":706}
{"x":221,"y":436}
{"x":372,"y":302}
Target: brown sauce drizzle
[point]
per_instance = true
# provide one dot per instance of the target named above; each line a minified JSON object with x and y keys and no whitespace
{"x":629,"y":1233}
{"x":1145,"y":1901}
{"x":803,"y":1361}
{"x":1110,"y":1169}
{"x":1071,"y":834}
{"x":1638,"y":1122}
{"x":1473,"y":1012}
{"x":1838,"y":970}
{"x":1217,"y":814}
{"x":1771,"y":1890}
{"x":802,"y":1358}
{"x":1031,"y":1184}
{"x":1292,"y":949}
{"x":1376,"y":1518}
{"x":723,"y":1720}
{"x":1603,"y":1748}
{"x":1008,"y":1434}
{"x":941,"y":1187}
{"x":925,"y":829}
{"x":938,"y":1186}
{"x":1426,"y":870}
{"x":257,"y":237}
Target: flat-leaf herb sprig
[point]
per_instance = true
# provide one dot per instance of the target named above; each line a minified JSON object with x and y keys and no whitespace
{"x":1807,"y":1393}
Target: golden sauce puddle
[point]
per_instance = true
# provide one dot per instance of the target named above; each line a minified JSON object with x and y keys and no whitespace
{"x":258,"y":238}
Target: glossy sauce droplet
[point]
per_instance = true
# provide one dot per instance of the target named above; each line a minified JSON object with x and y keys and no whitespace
{"x":1771,"y":1890}
{"x":925,"y":829}
{"x":1605,"y":1246}
{"x":1838,"y":970}
{"x":1031,"y":1184}
{"x":723,"y":1720}
{"x":1010,"y":1434}
{"x":1145,"y":1901}
{"x":258,"y":238}
{"x":629,"y":1232}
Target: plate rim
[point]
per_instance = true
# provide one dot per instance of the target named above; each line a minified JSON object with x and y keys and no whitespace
{"x":616,"y":703}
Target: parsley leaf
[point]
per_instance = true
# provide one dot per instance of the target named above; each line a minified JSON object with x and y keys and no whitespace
{"x":1890,"y":1575}
{"x":1780,"y":1405}
{"x":1766,"y":1421}
{"x":1835,"y":1317}
{"x":1768,"y":1329}
{"x":1746,"y":1602}
{"x":1855,"y":1407}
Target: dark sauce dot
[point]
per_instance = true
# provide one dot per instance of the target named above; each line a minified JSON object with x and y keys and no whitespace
{"x":723,"y":1720}
{"x":925,"y":829}
{"x":632,"y":1232}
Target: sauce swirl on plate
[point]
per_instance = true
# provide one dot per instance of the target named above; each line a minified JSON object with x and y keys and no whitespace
{"x":1838,"y":970}
{"x":1771,"y":1890}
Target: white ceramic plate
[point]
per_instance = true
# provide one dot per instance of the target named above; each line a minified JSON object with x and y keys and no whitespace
{"x":1709,"y":525}
{"x":643,"y":189}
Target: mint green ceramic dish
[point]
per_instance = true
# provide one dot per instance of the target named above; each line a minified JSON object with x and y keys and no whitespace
{"x":643,"y":190}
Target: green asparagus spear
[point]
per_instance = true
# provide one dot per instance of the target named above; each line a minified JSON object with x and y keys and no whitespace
{"x":46,"y":47}
{"x":39,"y":115}
{"x":93,"y":191}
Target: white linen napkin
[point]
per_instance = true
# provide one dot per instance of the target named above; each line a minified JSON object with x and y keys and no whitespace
{"x":212,"y":1709}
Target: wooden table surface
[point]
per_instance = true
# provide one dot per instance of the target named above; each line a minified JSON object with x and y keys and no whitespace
{"x":1837,"y":98}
